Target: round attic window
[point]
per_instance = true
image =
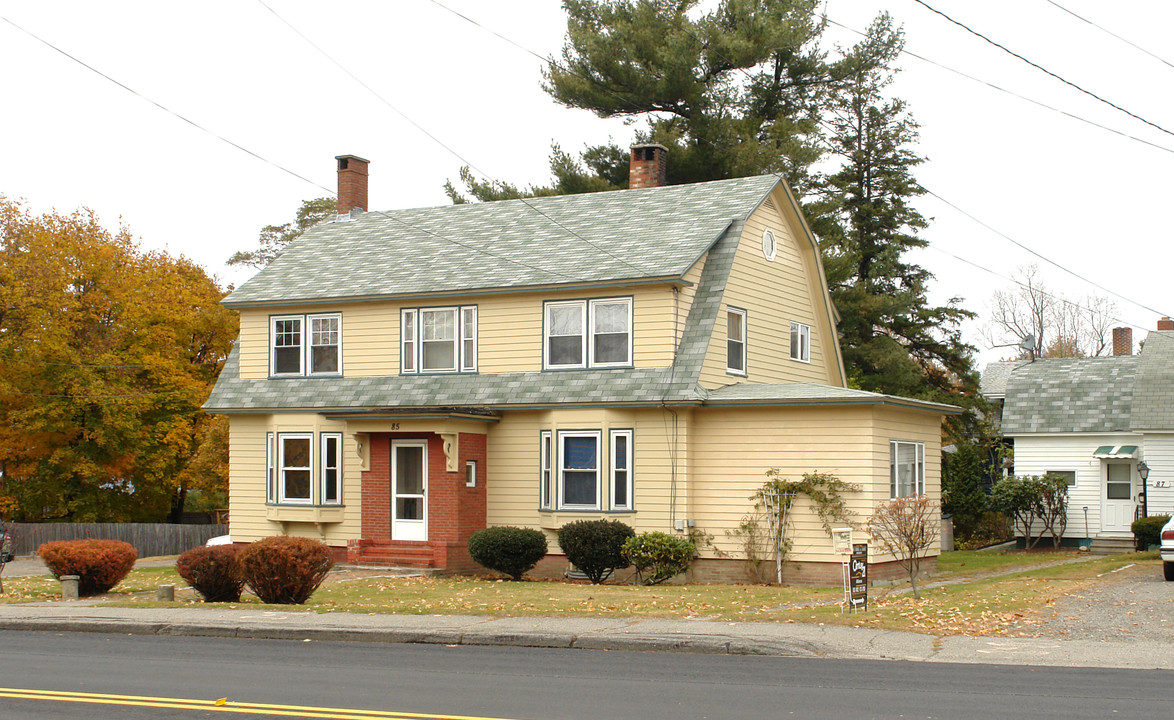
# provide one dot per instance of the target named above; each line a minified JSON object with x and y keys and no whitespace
{"x":769,"y":246}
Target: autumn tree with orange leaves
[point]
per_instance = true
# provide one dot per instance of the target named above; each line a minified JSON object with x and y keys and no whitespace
{"x":107,"y":352}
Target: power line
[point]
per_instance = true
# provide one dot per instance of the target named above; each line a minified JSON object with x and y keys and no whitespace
{"x":165,"y":109}
{"x":1012,"y":92}
{"x":1043,"y":69}
{"x":435,"y":139}
{"x":1110,"y":32}
{"x":1039,"y":255}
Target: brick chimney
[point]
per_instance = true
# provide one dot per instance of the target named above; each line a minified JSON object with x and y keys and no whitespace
{"x":1166,"y":324}
{"x":352,"y":183}
{"x":1122,"y":341}
{"x":649,"y":166}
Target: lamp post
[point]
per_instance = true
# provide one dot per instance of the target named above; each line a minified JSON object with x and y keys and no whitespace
{"x":1144,"y":471}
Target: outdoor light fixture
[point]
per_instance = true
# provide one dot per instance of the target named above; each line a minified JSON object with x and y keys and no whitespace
{"x":1144,"y":471}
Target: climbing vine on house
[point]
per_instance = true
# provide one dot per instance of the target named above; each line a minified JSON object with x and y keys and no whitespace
{"x":764,"y":532}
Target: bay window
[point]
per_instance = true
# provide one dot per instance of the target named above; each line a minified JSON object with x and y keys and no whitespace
{"x":576,"y":469}
{"x":291,"y":476}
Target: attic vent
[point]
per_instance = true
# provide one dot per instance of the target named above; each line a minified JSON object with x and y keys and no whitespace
{"x":769,"y":204}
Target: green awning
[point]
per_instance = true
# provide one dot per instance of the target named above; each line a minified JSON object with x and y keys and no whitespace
{"x":1115,"y":451}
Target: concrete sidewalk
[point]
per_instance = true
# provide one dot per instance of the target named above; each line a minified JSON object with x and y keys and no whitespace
{"x":699,"y":636}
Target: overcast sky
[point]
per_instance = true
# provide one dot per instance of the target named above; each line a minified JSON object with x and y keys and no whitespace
{"x":1091,"y":200}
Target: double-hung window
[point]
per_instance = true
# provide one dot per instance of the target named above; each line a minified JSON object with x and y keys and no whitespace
{"x":800,"y":342}
{"x":588,"y":333}
{"x":305,"y":345}
{"x":291,"y":477}
{"x":621,"y":469}
{"x":578,"y":470}
{"x":736,"y":341}
{"x":545,"y":478}
{"x":906,"y":469}
{"x":438,"y":340}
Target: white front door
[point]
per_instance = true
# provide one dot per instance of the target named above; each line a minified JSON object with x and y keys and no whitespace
{"x":409,"y":490}
{"x":1118,"y":504}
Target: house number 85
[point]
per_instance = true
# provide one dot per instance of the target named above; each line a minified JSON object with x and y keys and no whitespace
{"x":395,"y":426}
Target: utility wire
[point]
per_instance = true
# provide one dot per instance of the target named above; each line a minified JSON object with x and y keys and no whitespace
{"x":929,"y":192}
{"x":165,"y":109}
{"x":1012,"y":92}
{"x":1043,"y":69}
{"x":1110,"y":32}
{"x":451,"y":151}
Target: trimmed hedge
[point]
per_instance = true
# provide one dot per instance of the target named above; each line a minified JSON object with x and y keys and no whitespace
{"x":1148,"y":530}
{"x":285,"y":570}
{"x":98,"y":564}
{"x":659,"y":556}
{"x":509,"y":550}
{"x":596,"y":547}
{"x":214,"y":572}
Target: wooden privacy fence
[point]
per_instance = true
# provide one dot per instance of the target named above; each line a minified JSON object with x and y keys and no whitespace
{"x":149,"y":539}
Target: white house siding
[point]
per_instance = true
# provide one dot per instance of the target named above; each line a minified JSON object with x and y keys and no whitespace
{"x":1158,"y":453}
{"x":1037,"y":454}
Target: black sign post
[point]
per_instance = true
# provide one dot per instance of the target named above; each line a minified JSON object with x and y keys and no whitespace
{"x":858,"y":577}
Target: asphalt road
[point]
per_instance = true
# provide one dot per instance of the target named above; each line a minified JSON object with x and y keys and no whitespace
{"x":532,"y":683}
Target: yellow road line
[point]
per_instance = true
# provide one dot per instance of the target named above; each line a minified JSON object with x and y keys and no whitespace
{"x":228,"y":706}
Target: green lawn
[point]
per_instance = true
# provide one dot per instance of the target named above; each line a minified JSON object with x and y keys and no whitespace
{"x":979,"y":603}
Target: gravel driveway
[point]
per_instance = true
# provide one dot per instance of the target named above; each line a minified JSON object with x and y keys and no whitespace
{"x":1133,"y":603}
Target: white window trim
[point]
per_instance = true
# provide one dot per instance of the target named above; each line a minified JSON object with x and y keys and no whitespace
{"x":545,"y":472}
{"x":804,"y":331}
{"x":414,"y":337}
{"x":281,"y":468}
{"x":469,"y":359}
{"x":1074,"y":471}
{"x":546,"y":324}
{"x":770,"y":246}
{"x":743,"y":314}
{"x":611,"y":453}
{"x":305,"y":348}
{"x":471,"y":473}
{"x":596,"y":435}
{"x":270,"y":468}
{"x":627,"y":361}
{"x":322,"y":438}
{"x":586,"y":333}
{"x":918,"y":470}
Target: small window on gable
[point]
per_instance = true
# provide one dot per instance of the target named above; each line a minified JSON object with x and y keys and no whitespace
{"x":305,"y":345}
{"x":736,"y":341}
{"x":438,"y":340}
{"x":800,"y":342}
{"x":769,"y":246}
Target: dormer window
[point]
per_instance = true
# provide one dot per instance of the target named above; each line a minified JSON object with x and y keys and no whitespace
{"x":587,"y":333}
{"x":305,"y":345}
{"x":438,"y":340}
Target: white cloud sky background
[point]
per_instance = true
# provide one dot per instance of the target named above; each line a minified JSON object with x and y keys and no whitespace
{"x":1088,"y":199}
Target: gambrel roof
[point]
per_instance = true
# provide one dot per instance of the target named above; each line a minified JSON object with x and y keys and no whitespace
{"x":589,"y":238}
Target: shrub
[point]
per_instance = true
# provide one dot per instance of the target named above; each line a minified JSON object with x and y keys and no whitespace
{"x":658,"y":556}
{"x":907,"y":528}
{"x":596,"y":547}
{"x":1148,"y":530}
{"x":510,"y":550}
{"x":214,"y":572}
{"x":98,"y":564}
{"x":285,"y":570}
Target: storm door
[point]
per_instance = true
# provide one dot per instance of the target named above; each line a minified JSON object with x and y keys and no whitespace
{"x":1118,"y":502}
{"x":409,"y":489}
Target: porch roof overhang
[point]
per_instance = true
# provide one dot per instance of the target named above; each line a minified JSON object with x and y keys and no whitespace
{"x":1110,"y":452}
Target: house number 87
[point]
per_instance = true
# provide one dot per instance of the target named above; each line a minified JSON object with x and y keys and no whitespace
{"x":1161,"y":483}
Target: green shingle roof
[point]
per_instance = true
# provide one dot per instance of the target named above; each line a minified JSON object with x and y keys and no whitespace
{"x":569,"y":239}
{"x":1070,"y":395}
{"x":1153,"y":393}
